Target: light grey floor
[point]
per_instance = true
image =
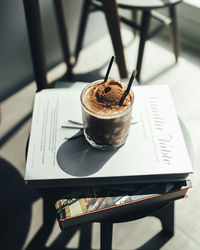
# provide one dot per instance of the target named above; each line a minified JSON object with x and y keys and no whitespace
{"x":158,"y":68}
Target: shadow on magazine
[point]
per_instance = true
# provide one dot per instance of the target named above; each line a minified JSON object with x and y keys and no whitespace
{"x":77,"y":158}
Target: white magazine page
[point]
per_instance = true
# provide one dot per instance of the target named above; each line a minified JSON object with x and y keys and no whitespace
{"x":155,"y":145}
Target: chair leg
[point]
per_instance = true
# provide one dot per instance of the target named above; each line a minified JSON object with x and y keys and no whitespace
{"x":166,"y":217}
{"x":112,"y":17}
{"x":33,"y":21}
{"x":174,"y":32}
{"x":85,"y":237}
{"x":62,"y":28}
{"x":143,"y":37}
{"x":134,"y":18}
{"x":106,"y":236}
{"x":82,"y":28}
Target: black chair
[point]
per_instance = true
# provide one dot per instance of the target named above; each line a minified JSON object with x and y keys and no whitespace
{"x":148,"y":10}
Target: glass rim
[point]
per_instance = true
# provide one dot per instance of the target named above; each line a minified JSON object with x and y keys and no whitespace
{"x":104,"y":115}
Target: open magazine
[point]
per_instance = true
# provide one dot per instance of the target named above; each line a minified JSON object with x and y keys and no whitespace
{"x":77,"y":211}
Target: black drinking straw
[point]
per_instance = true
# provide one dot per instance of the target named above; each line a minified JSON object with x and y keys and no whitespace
{"x":128,"y":87}
{"x":109,"y":68}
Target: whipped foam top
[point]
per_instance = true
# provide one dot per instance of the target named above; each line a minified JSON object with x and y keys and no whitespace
{"x":103,"y":98}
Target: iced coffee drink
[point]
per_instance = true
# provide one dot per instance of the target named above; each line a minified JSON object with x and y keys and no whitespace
{"x":106,"y":122}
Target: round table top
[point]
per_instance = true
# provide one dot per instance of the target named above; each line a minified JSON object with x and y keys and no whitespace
{"x":146,"y":4}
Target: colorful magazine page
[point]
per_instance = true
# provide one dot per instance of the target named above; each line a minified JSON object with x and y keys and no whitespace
{"x":78,"y":211}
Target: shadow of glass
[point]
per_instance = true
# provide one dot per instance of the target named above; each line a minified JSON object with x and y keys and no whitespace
{"x":77,"y":158}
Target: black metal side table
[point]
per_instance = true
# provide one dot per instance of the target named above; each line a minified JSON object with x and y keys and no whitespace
{"x":165,"y":212}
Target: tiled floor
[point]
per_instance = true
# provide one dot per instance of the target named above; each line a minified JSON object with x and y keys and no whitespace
{"x":158,"y":68}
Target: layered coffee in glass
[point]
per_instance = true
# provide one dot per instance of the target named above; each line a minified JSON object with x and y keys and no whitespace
{"x":106,"y":122}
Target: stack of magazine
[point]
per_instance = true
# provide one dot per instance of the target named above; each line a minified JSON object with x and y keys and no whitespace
{"x":152,"y":167}
{"x":96,"y":206}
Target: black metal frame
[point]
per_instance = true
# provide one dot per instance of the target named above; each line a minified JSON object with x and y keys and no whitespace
{"x":164,"y":212}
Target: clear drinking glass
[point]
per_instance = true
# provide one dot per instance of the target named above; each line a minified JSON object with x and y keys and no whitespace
{"x":105,"y":131}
